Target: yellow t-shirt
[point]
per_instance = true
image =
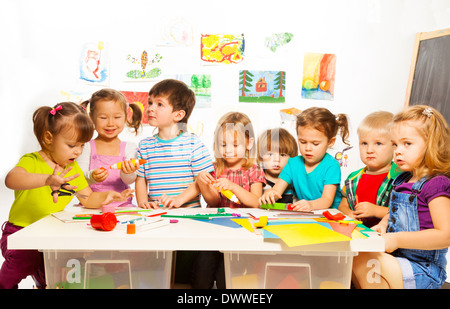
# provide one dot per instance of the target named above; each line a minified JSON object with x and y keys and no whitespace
{"x":32,"y":205}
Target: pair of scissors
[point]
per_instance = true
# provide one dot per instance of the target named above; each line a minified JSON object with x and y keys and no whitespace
{"x":67,"y":192}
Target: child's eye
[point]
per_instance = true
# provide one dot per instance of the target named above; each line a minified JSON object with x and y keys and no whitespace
{"x":284,"y":155}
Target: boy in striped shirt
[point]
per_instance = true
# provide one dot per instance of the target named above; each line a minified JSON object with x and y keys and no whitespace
{"x":174,"y":156}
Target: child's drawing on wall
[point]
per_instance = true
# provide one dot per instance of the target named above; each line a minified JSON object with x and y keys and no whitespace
{"x":142,"y":65}
{"x":94,"y":63}
{"x":262,"y":86}
{"x":222,"y":48}
{"x":176,"y":32}
{"x":318,"y":76}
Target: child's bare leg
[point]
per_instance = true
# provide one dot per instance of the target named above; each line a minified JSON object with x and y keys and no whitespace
{"x":377,"y":270}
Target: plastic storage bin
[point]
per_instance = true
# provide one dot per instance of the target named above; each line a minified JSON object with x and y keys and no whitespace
{"x":288,"y":270}
{"x":108,"y":269}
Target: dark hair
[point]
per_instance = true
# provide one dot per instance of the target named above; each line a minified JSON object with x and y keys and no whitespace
{"x":62,"y":115}
{"x":178,"y":94}
{"x":106,"y":94}
{"x":324,"y":121}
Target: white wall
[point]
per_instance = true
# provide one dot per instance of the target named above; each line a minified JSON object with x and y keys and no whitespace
{"x":372,"y":39}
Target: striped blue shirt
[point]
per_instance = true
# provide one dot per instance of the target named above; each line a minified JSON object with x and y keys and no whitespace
{"x":172,"y":164}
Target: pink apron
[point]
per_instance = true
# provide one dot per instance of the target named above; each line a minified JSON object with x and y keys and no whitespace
{"x":113,"y":182}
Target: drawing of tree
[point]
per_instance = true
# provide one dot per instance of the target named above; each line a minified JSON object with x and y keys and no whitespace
{"x":279,"y":83}
{"x":245,"y":79}
{"x":199,"y":81}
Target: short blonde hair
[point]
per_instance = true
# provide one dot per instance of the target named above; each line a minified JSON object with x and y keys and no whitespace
{"x":376,"y":121}
{"x":435,"y":131}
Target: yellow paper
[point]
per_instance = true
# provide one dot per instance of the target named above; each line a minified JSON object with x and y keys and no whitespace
{"x":356,"y":234}
{"x":305,"y":234}
{"x":244,"y":223}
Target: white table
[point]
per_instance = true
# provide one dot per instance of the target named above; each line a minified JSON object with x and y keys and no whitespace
{"x":50,"y":234}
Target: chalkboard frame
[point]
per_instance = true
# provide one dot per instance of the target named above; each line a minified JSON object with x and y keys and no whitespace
{"x":421,"y":36}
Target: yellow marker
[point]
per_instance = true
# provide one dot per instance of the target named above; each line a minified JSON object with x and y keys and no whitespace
{"x":261,"y":223}
{"x":230,"y":195}
{"x":118,"y":165}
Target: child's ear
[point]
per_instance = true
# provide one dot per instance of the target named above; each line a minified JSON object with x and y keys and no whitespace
{"x":48,"y":138}
{"x":179,"y":115}
{"x":331,"y":142}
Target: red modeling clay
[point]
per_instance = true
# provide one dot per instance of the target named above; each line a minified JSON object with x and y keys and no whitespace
{"x":337,"y":216}
{"x":105,"y":222}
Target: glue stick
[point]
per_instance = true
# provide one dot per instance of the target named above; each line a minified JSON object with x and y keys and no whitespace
{"x":118,"y":165}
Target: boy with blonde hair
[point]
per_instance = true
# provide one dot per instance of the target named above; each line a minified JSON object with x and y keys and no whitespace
{"x":365,"y":195}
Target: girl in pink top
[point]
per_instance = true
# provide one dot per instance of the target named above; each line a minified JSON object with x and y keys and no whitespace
{"x":109,"y":111}
{"x":235,"y":170}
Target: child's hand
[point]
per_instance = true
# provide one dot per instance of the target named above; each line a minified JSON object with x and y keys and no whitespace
{"x":55,"y":181}
{"x":205,"y":178}
{"x":302,"y":205}
{"x":269,"y":197}
{"x":148,"y":205}
{"x":100,"y":174}
{"x":224,"y":184}
{"x":170,"y":201}
{"x":129,"y":167}
{"x":380,"y":228}
{"x":363,"y":210}
{"x":116,"y":196}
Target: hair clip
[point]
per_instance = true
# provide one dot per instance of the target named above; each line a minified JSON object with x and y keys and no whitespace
{"x":54,"y":110}
{"x":428,"y":112}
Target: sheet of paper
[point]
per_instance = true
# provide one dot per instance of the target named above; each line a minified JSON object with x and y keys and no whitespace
{"x":305,"y":234}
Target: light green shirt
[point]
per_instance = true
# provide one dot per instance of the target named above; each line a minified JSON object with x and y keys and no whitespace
{"x":32,"y":205}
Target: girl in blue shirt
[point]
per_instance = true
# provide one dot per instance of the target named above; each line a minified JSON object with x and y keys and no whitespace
{"x":314,"y":174}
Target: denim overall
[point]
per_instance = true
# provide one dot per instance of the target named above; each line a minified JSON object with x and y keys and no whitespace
{"x":422,"y":269}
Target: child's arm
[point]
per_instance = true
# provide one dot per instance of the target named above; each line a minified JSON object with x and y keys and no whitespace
{"x":325,"y":201}
{"x":344,"y":207}
{"x":367,"y":209}
{"x":98,"y":199}
{"x":429,"y":239}
{"x":19,"y":179}
{"x":247,"y":198}
{"x":209,"y":192}
{"x":177,"y":201}
{"x":142,"y":194}
{"x":270,"y":196}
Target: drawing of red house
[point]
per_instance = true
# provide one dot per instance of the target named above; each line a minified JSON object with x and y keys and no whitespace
{"x":261,"y":85}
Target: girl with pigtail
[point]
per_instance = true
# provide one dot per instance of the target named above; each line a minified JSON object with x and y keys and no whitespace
{"x":108,"y":110}
{"x":44,"y":182}
{"x":315,"y":174}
